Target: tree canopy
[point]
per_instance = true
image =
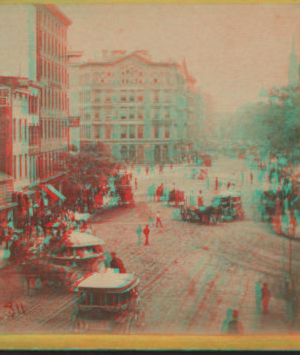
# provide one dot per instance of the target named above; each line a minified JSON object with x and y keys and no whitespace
{"x":272,"y":125}
{"x":90,"y":166}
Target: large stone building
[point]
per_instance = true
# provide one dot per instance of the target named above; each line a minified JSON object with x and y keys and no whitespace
{"x":144,"y":111}
{"x":33,"y":45}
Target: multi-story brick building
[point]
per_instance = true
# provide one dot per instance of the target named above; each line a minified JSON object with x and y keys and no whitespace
{"x":143,"y":110}
{"x":33,"y":45}
{"x":19,"y":120}
{"x":52,"y":74}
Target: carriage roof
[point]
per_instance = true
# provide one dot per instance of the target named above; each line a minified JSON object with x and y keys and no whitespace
{"x":79,"y":239}
{"x":228,"y":194}
{"x":114,"y":283}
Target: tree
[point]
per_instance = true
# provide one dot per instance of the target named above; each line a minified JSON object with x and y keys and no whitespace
{"x":273,"y":125}
{"x":90,"y":166}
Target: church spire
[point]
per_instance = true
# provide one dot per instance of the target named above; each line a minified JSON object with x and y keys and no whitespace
{"x":293,"y":67}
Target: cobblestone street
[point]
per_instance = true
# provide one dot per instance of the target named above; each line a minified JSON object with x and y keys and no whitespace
{"x":190,"y":274}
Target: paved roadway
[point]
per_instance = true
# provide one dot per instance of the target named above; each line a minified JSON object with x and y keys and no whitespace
{"x":190,"y":274}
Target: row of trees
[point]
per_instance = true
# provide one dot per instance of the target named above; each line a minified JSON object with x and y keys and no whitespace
{"x":272,"y":125}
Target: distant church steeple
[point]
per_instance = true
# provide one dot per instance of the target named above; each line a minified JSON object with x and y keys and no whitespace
{"x":293,"y":67}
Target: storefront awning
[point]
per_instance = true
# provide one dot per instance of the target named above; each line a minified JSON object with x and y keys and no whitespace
{"x":51,"y":191}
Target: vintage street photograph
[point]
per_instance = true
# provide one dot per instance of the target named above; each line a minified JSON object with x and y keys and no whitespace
{"x":149,"y":169}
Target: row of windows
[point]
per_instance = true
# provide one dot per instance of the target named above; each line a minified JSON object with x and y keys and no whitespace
{"x":126,"y":78}
{"x":54,"y":100}
{"x":127,"y":113}
{"x":21,"y":132}
{"x":126,"y":131}
{"x":52,"y":48}
{"x":34,"y":166}
{"x":109,"y":96}
{"x":53,"y":72}
{"x":51,"y":24}
{"x":53,"y":129}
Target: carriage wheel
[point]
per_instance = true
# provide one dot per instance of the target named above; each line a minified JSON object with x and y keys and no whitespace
{"x":128,"y":324}
{"x":140,"y":320}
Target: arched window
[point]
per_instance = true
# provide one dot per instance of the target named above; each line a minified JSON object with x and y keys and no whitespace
{"x":124,"y":152}
{"x":132,"y":153}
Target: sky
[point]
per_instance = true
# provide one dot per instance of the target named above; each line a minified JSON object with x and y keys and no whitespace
{"x":232,"y":50}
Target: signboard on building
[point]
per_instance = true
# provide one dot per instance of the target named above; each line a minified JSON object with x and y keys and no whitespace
{"x":4,"y":96}
{"x":74,"y":121}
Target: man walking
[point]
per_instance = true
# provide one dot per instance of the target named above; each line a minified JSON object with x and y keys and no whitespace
{"x":217,"y":184}
{"x":151,"y":218}
{"x":235,"y":326}
{"x":266,"y":295}
{"x":139,"y":233}
{"x":146,"y":231}
{"x":158,"y":220}
{"x":258,"y":296}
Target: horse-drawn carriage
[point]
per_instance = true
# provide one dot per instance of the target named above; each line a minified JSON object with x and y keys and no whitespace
{"x":176,"y":198}
{"x":109,"y":302}
{"x":64,"y":262}
{"x":224,"y":207}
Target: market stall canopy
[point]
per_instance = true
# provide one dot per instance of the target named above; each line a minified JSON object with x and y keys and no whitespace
{"x":51,"y":191}
{"x":79,"y":239}
{"x":110,"y":282}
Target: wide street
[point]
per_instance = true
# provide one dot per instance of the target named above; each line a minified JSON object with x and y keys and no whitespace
{"x":190,"y":274}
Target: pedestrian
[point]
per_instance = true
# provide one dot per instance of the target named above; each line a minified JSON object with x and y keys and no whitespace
{"x":291,"y":306}
{"x":292,"y":225}
{"x":251,"y":177}
{"x":117,"y":263}
{"x":200,"y":199}
{"x":192,"y":199}
{"x":139,"y":233}
{"x":147,"y":170}
{"x":75,"y":320}
{"x":151,"y":218}
{"x":158,"y":220}
{"x":108,"y":259}
{"x":146,"y":231}
{"x":266,"y":295}
{"x":258,"y":296}
{"x":135,"y":181}
{"x":235,"y":326}
{"x":217,"y":184}
{"x":226,"y":321}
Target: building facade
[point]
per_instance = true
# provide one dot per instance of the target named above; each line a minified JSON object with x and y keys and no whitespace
{"x":36,"y":50}
{"x":52,"y":74}
{"x":142,"y":110}
{"x":20,"y":139}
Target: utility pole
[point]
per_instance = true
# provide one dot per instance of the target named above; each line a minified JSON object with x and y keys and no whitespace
{"x":290,"y":264}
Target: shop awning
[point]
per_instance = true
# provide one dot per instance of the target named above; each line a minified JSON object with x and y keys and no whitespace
{"x":51,"y":191}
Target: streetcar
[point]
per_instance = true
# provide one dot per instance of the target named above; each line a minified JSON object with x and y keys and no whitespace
{"x":109,"y":302}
